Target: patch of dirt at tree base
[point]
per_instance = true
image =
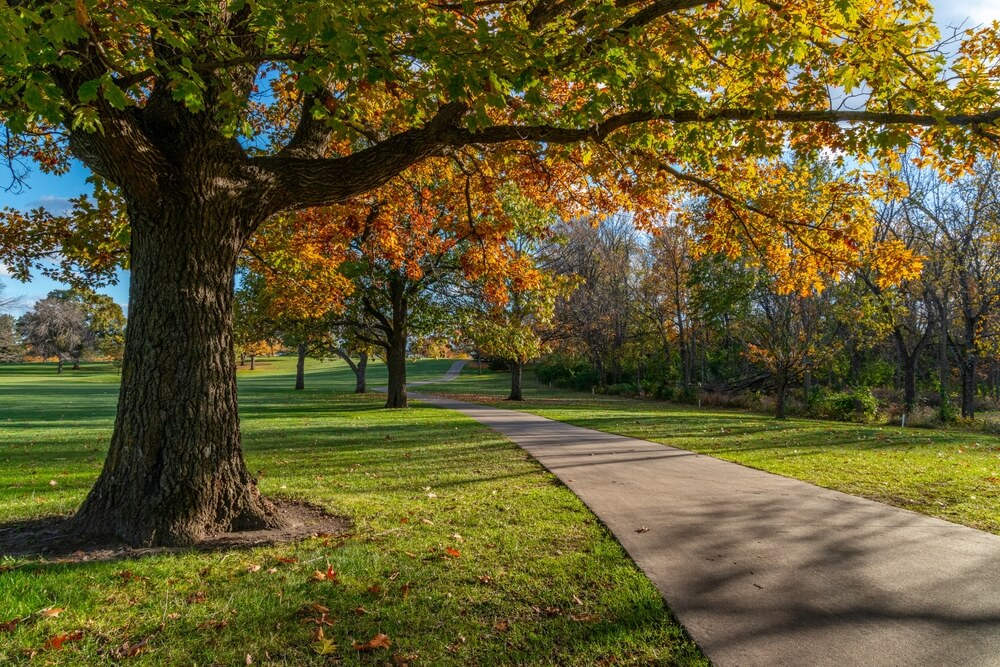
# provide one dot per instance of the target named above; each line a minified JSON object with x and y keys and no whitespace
{"x":50,"y":539}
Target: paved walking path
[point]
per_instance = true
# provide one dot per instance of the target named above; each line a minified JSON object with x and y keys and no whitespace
{"x":766,"y":570}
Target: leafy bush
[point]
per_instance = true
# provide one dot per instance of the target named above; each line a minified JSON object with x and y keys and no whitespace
{"x":621,"y":389}
{"x":857,"y":404}
{"x":567,"y":373}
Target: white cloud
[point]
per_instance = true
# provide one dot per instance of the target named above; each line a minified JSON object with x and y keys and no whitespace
{"x":967,"y":13}
{"x":52,"y":203}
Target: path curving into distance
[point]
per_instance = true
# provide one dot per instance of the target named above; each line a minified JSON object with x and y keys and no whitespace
{"x":768,"y":571}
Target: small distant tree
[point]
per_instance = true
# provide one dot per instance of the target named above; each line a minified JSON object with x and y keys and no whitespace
{"x":11,"y":349}
{"x":56,"y":328}
{"x":106,"y":324}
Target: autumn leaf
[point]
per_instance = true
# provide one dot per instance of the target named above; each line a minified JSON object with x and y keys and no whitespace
{"x":196,"y":597}
{"x":642,"y":529}
{"x":321,"y":644}
{"x":378,"y":641}
{"x":454,"y":553}
{"x":9,"y":626}
{"x":288,"y":561}
{"x":55,"y":642}
{"x":132,"y":650}
{"x":51,"y":612}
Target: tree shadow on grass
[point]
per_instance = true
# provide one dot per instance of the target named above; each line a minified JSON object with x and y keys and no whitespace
{"x":54,"y":537}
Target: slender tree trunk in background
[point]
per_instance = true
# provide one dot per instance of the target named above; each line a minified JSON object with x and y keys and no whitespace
{"x":76,"y":364}
{"x":909,"y":383}
{"x":174,"y":473}
{"x":59,"y":366}
{"x":807,"y":386}
{"x":515,"y":381}
{"x":253,"y":362}
{"x":395,"y":358}
{"x":361,"y":374}
{"x":969,"y":384}
{"x":944,"y":367}
{"x":781,"y":389}
{"x":300,"y":367}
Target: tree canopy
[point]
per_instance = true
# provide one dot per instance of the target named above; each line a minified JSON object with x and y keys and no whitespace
{"x":205,"y":119}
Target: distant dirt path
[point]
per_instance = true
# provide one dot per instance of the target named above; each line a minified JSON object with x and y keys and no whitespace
{"x":768,"y":571}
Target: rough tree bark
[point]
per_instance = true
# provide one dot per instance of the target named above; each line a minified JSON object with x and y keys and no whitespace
{"x":175,"y":472}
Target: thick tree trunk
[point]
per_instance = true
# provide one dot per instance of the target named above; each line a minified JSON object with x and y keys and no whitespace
{"x":300,"y":368}
{"x":909,"y":383}
{"x":515,"y":381}
{"x":361,"y":374}
{"x":59,"y":366}
{"x":175,"y":473}
{"x":395,"y":363}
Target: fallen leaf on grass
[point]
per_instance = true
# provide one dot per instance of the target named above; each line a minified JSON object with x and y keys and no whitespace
{"x":213,"y":624}
{"x":374,"y":589}
{"x":378,"y":641}
{"x":51,"y":612}
{"x":329,"y":575}
{"x":485,"y":579}
{"x":253,"y":568}
{"x":577,"y":600}
{"x":196,"y":597}
{"x":454,"y":553}
{"x":55,"y":642}
{"x":8,"y":626}
{"x":321,"y":644}
{"x":401,"y":660}
{"x":502,"y":625}
{"x":584,"y":618}
{"x":132,"y":650}
{"x":288,"y":561}
{"x":318,"y":608}
{"x":360,"y":611}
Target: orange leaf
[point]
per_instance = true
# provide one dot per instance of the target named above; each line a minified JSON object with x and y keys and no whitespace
{"x":454,"y":553}
{"x":287,"y":560}
{"x":56,"y":642}
{"x":378,"y":641}
{"x":51,"y":612}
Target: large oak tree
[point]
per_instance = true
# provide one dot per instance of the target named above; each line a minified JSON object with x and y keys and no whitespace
{"x":175,"y":104}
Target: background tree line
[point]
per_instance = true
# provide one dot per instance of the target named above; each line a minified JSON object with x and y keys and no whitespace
{"x":655,"y":317}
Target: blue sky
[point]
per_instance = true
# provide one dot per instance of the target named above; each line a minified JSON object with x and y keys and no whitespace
{"x":54,"y":192}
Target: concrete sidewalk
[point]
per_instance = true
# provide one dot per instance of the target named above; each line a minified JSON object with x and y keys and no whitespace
{"x":765,"y":570}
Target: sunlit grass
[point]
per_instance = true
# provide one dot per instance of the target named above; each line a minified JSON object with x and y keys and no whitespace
{"x":531,"y":576}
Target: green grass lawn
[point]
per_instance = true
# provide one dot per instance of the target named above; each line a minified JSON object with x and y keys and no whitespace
{"x":463,"y":552}
{"x":950,"y":474}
